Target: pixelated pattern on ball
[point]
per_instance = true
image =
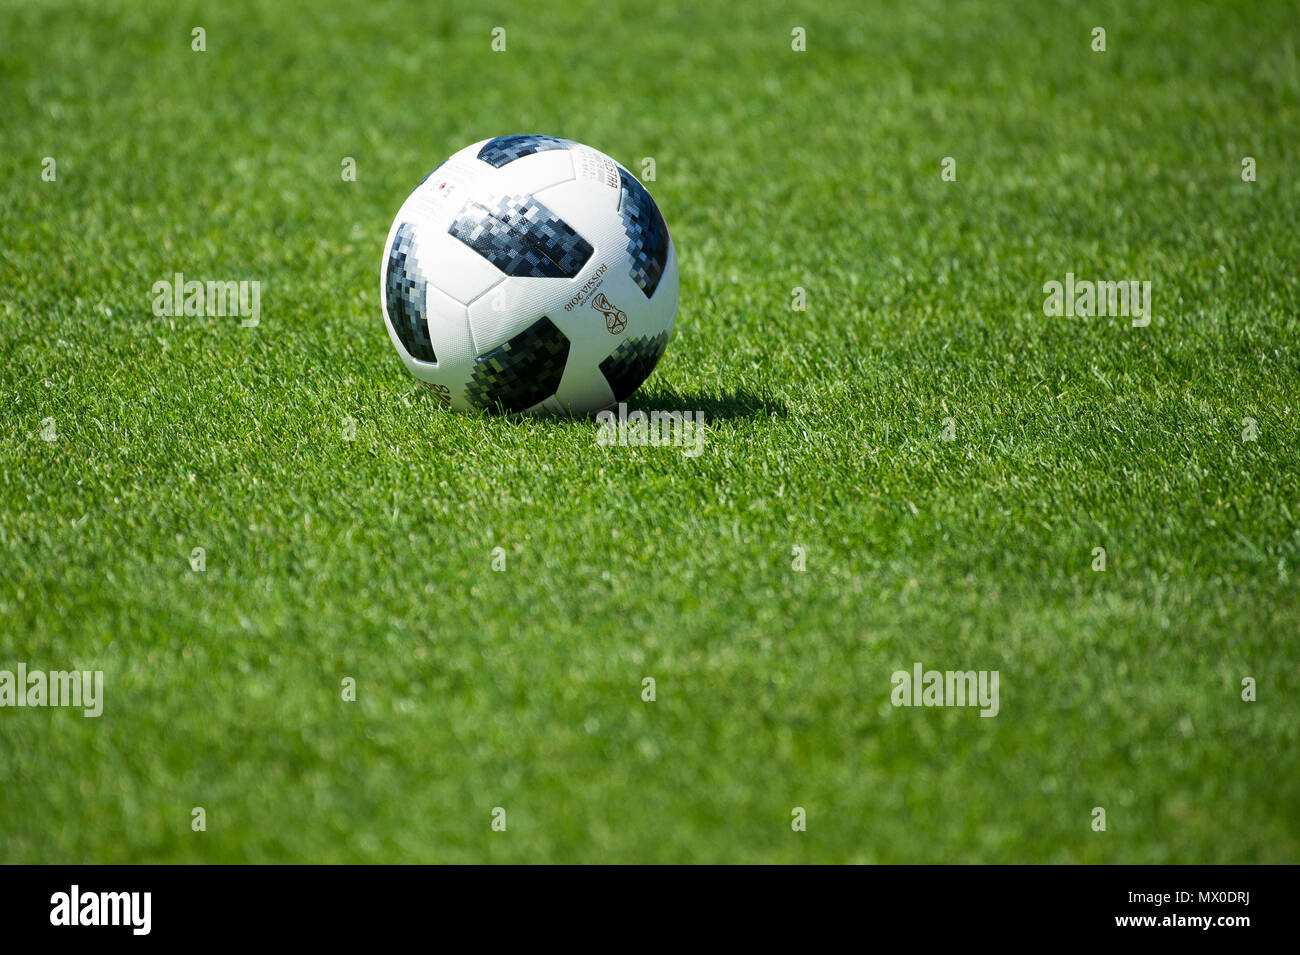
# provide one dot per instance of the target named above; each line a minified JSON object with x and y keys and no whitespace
{"x":404,"y":287}
{"x":520,"y":236}
{"x":647,"y":233}
{"x":632,"y":362}
{"x":506,"y":149}
{"x":525,"y":370}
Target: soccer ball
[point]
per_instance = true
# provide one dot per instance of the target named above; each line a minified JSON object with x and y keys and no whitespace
{"x":529,"y":274}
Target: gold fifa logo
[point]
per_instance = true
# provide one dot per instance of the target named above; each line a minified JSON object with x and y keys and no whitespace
{"x":615,"y":318}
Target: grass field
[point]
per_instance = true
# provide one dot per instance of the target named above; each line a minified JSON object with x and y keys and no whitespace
{"x":371,"y":558}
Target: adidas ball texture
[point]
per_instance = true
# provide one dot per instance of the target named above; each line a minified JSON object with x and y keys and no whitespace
{"x":530,"y":274}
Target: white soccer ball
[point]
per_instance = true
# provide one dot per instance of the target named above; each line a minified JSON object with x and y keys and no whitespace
{"x":529,"y":274}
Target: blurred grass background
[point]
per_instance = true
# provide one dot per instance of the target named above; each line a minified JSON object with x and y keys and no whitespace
{"x":775,"y":169}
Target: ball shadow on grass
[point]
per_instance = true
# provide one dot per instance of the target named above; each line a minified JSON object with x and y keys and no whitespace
{"x":714,"y":405}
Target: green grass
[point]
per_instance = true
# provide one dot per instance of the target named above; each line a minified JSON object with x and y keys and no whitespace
{"x":372,"y":558}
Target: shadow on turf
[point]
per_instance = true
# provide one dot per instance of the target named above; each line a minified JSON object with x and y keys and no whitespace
{"x":715,"y":406}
